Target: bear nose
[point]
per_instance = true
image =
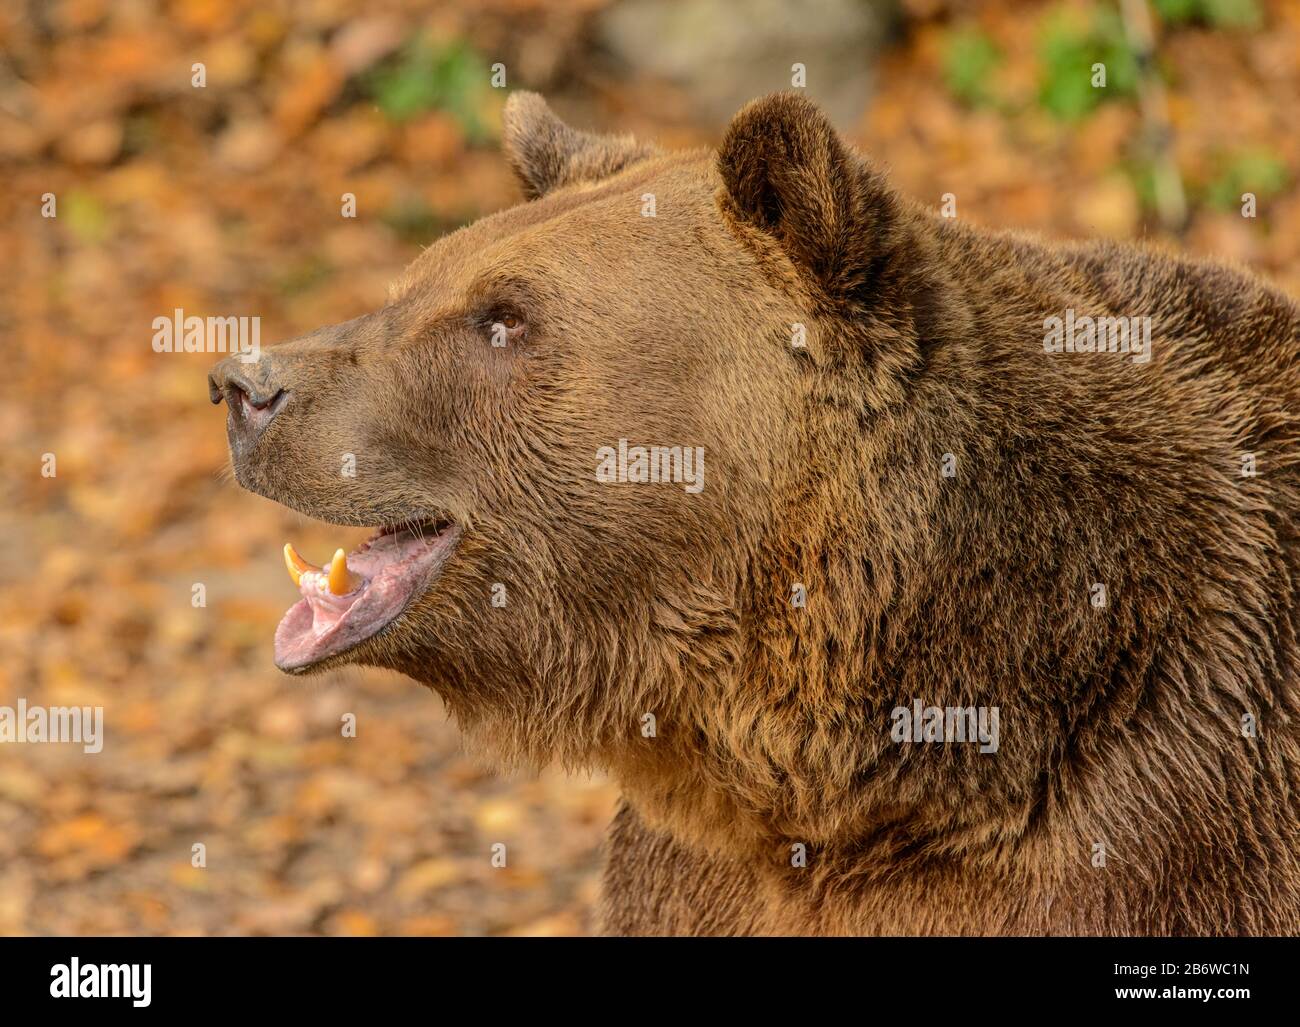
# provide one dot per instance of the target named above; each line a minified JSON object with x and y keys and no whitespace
{"x":252,"y":394}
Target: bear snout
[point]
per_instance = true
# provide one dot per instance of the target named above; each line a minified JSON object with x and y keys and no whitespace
{"x":253,"y":395}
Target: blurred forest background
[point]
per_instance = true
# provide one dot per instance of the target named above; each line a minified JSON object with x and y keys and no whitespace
{"x":225,"y":199}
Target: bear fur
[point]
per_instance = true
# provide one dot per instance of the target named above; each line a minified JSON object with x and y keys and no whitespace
{"x":908,"y":499}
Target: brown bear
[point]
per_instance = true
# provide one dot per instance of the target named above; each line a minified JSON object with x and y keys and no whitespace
{"x":901,"y":591}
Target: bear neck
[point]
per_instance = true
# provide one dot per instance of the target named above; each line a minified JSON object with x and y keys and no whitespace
{"x":951,"y":551}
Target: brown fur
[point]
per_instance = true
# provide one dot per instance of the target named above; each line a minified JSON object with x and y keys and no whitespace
{"x":1119,"y":725}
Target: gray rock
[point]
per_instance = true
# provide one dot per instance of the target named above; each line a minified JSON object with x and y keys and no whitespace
{"x":724,"y":53}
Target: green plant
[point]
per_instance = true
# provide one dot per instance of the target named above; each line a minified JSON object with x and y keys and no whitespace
{"x":426,"y":76}
{"x":1068,"y":52}
{"x":1216,"y":13}
{"x":1142,"y":174}
{"x":413,"y":220}
{"x":1257,"y":171}
{"x":86,"y":216}
{"x":304,"y":275}
{"x":969,"y":60}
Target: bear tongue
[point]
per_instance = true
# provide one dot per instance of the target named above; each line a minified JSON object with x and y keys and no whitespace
{"x":355,"y":596}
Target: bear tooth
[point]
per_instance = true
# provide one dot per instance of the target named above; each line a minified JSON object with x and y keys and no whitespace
{"x":341,"y":580}
{"x":296,"y":564}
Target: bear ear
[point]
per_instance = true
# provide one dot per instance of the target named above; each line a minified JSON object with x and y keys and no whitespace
{"x":545,"y":153}
{"x":787,"y":173}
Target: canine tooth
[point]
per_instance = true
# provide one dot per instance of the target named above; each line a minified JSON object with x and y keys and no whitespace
{"x":296,"y":564}
{"x":341,"y":580}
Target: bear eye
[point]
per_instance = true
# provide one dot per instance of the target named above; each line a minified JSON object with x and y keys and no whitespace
{"x":505,"y":328}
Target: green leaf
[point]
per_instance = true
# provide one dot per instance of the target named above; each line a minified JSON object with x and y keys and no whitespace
{"x":1215,"y":13}
{"x":423,"y":77}
{"x":1067,"y":51}
{"x":85,"y":216}
{"x":969,"y":61}
{"x":1257,"y":171}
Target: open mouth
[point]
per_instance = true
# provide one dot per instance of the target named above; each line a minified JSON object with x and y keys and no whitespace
{"x":358,"y":594}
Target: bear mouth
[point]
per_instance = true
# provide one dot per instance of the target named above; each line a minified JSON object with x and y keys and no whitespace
{"x":359,"y":594}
